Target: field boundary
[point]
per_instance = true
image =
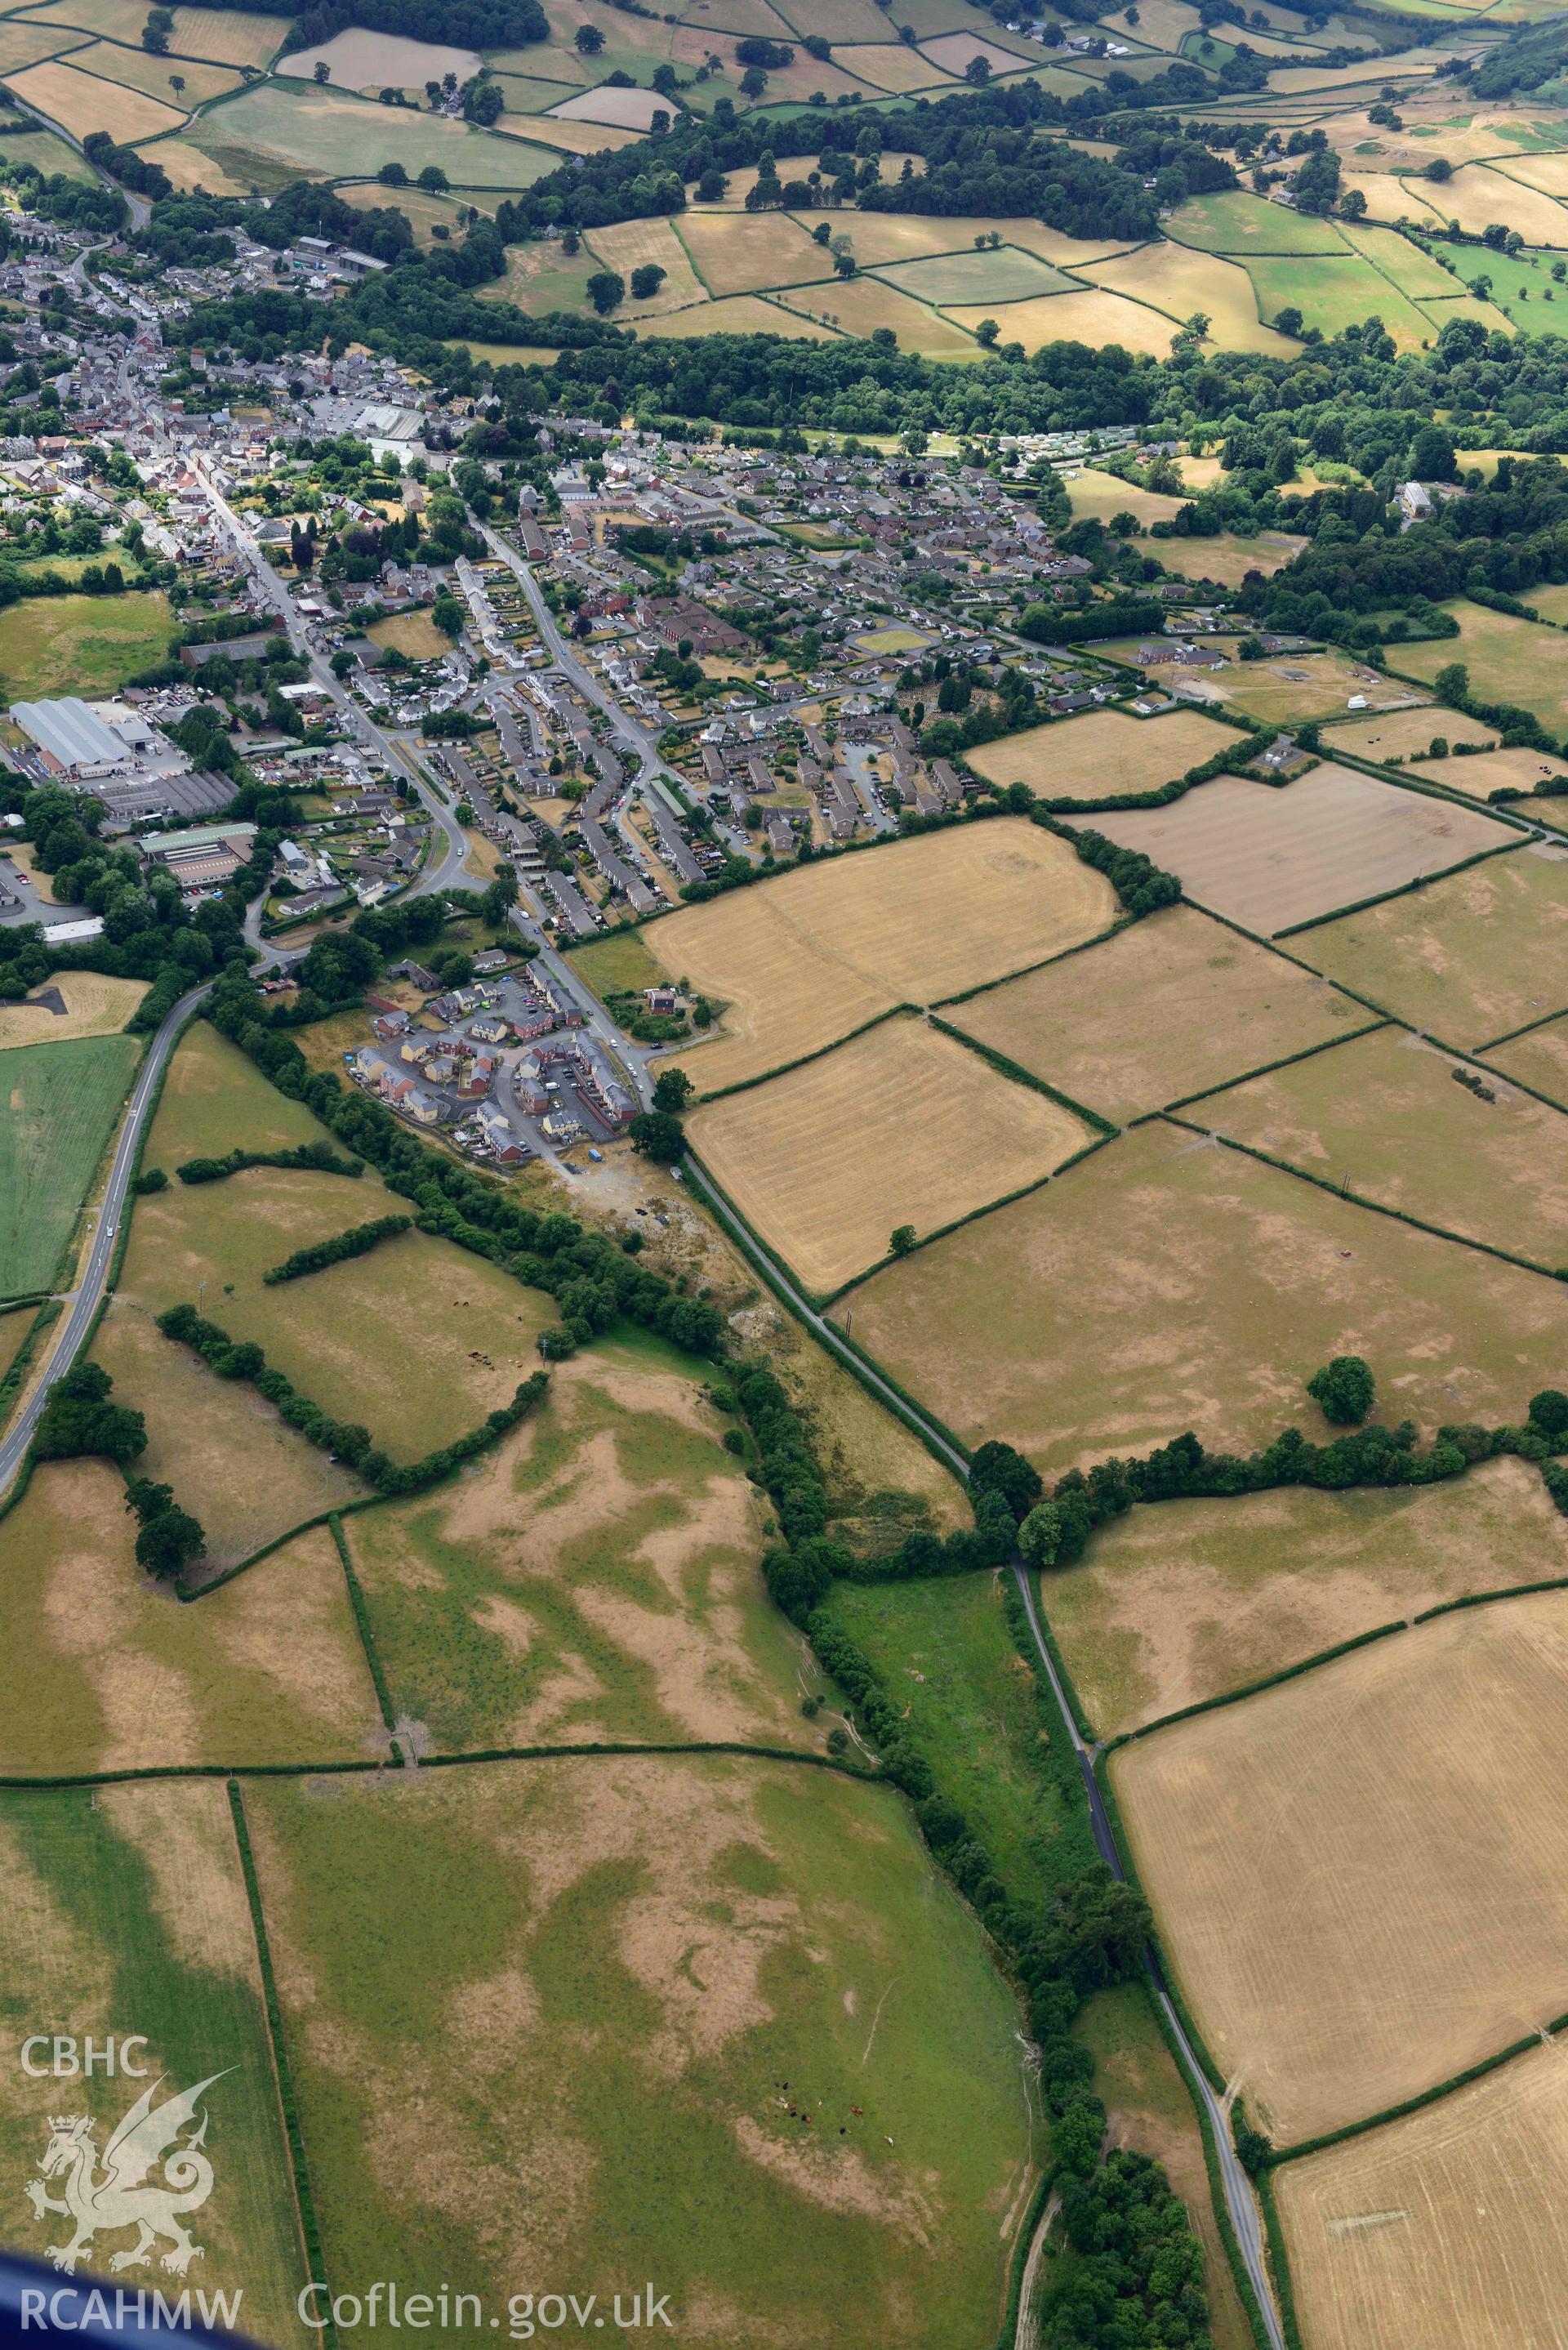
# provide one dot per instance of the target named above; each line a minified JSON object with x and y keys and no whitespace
{"x":1541,"y":2037}
{"x":1004,"y":1067}
{"x":359,"y":1766}
{"x":1279,"y":2260}
{"x":945,"y":1232}
{"x":801,"y":1061}
{"x":1360,"y":1199}
{"x":966,"y":994}
{"x":838,"y":1344}
{"x":1406,"y":889}
{"x":1495,"y":1044}
{"x":367,"y":1638}
{"x":17,"y":1370}
{"x":1367,"y":1640}
{"x":1264,"y":1070}
{"x":294,"y":2133}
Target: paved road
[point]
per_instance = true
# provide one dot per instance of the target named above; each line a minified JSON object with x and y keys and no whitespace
{"x":1239,"y":2198}
{"x":444,"y":869}
{"x":93,"y":1279}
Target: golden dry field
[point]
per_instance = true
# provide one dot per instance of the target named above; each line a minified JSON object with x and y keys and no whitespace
{"x":900,"y":1125}
{"x":1383,"y":1115}
{"x":1270,"y":856}
{"x":82,"y":104}
{"x":216,"y":1438}
{"x":1092,"y":317}
{"x":802,"y":961}
{"x":151,"y":75}
{"x":1178,"y":280}
{"x":1104,"y":755}
{"x":743,"y":252}
{"x":1472,"y":957}
{"x":232,"y":36}
{"x":1183,"y":1601}
{"x":1361,"y":1876}
{"x":1169,"y":1284}
{"x":120,"y":1676}
{"x":95,"y":1005}
{"x":1227,"y":559}
{"x":1517,"y":769}
{"x":1446,"y":2227}
{"x":633,"y":244}
{"x":1408,"y":734}
{"x":865,"y":305}
{"x":1169,"y":1007}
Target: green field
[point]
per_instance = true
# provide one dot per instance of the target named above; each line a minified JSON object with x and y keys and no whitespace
{"x":1231,"y":222}
{"x":944,"y":1651}
{"x":299,"y":128}
{"x":597,"y":1577}
{"x":87,"y":645}
{"x":1008,"y":276}
{"x":617,"y":962}
{"x":1509,"y":660}
{"x":215,"y":1099}
{"x":64,"y":1101}
{"x":122,"y":1910}
{"x":542,"y":2015}
{"x":1333,"y":292}
{"x":417,"y":1341}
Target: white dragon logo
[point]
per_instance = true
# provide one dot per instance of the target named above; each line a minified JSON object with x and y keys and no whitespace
{"x":118,"y":2198}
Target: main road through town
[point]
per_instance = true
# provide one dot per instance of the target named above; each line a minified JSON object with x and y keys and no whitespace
{"x":444,"y":869}
{"x":1239,"y":2199}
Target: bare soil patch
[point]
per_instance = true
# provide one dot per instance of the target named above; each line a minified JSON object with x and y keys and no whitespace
{"x":1360,"y":1874}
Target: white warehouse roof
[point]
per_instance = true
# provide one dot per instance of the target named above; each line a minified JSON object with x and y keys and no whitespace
{"x":70,"y":733}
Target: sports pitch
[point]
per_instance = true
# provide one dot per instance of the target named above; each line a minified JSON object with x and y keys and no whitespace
{"x":826,"y":1160}
{"x":1167,"y":1008}
{"x":1184,"y":1601}
{"x":1359,"y":1874}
